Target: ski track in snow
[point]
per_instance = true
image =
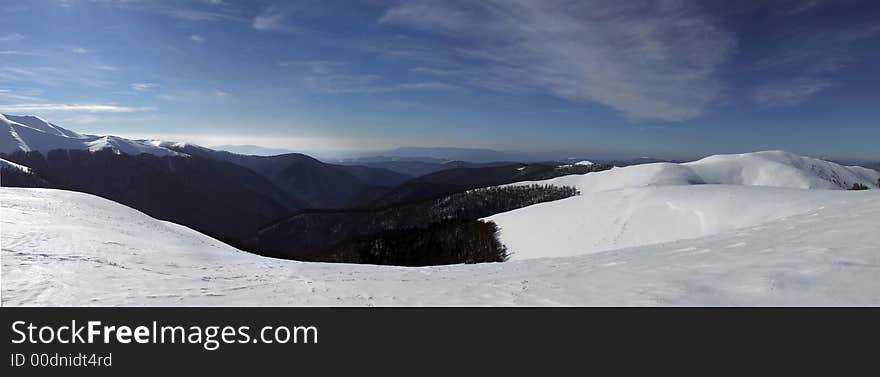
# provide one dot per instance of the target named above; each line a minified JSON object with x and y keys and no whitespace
{"x":68,"y":248}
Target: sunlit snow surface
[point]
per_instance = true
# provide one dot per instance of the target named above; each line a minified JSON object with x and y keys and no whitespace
{"x":662,"y":202}
{"x":33,"y":134}
{"x":67,"y":248}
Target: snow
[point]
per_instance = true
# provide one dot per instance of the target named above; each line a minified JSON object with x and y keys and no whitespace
{"x":29,"y":133}
{"x":41,"y":125}
{"x":662,"y":202}
{"x":68,"y":248}
{"x":131,"y":147}
{"x":616,"y":219}
{"x":11,"y":165}
{"x":579,"y":163}
{"x":769,"y":168}
{"x":766,"y":228}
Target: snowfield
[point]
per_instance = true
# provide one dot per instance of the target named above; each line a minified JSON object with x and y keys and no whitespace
{"x":663,"y":202}
{"x":68,"y":248}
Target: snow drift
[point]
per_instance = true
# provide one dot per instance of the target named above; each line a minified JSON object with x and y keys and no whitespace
{"x":30,"y":133}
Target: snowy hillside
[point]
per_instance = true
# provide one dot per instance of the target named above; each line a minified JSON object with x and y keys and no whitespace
{"x":661,"y":202}
{"x":768,"y":168}
{"x":11,"y":165}
{"x":67,"y":248}
{"x":29,"y":133}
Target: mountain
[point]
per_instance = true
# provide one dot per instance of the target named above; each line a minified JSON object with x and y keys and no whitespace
{"x":413,"y":168}
{"x":306,"y":181}
{"x":30,"y":133}
{"x":215,"y":197}
{"x":253,"y":150}
{"x":460,"y":154}
{"x":454,"y":180}
{"x":63,"y":248}
{"x":417,"y":167}
{"x":664,"y":202}
{"x":319,"y":184}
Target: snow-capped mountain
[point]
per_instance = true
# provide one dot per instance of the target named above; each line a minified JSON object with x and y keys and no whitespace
{"x":662,"y":202}
{"x":68,"y":248}
{"x":30,"y":133}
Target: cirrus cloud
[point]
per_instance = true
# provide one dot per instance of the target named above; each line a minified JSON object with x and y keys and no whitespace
{"x":88,"y":108}
{"x":646,"y":59}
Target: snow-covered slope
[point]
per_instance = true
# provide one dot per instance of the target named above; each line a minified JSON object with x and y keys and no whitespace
{"x":768,"y":168}
{"x":661,"y":202}
{"x":67,"y":248}
{"x":11,"y":165}
{"x":29,"y":133}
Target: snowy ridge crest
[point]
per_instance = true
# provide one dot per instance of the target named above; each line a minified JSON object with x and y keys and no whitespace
{"x":33,"y":134}
{"x":767,"y":168}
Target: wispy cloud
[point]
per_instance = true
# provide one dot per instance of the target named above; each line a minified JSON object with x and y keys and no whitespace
{"x":808,"y":63}
{"x":334,"y":77}
{"x":11,"y":37}
{"x":91,"y":76}
{"x":186,"y":10}
{"x":144,"y":86}
{"x":79,"y":50}
{"x":647,"y":60}
{"x":195,"y":95}
{"x":790,"y":92}
{"x":399,"y":104}
{"x":436,"y":71}
{"x":199,"y":15}
{"x":197,"y":38}
{"x":19,"y":95}
{"x":270,"y":19}
{"x":19,"y":53}
{"x":314,"y":66}
{"x":801,"y":6}
{"x":88,"y":108}
{"x":433,"y":85}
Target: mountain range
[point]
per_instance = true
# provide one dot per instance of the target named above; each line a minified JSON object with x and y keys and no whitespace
{"x":232,"y":196}
{"x":293,"y":205}
{"x":768,"y":228}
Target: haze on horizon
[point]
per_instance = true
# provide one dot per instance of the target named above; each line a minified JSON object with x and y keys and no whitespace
{"x":672,"y":79}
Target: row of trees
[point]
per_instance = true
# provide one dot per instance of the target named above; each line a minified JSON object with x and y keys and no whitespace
{"x":311,"y":235}
{"x":446,"y":242}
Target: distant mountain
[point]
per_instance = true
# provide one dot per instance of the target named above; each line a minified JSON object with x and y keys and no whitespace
{"x":419,"y":167}
{"x":636,"y":161}
{"x":32,"y":134}
{"x":875,"y":165}
{"x":319,"y":184}
{"x":455,"y":180}
{"x":253,"y":150}
{"x":459,"y":154}
{"x":307,"y":181}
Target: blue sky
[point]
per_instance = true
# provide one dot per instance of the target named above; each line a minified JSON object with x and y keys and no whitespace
{"x":677,"y":79}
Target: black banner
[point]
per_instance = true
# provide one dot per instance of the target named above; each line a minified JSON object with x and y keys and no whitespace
{"x":420,"y":340}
